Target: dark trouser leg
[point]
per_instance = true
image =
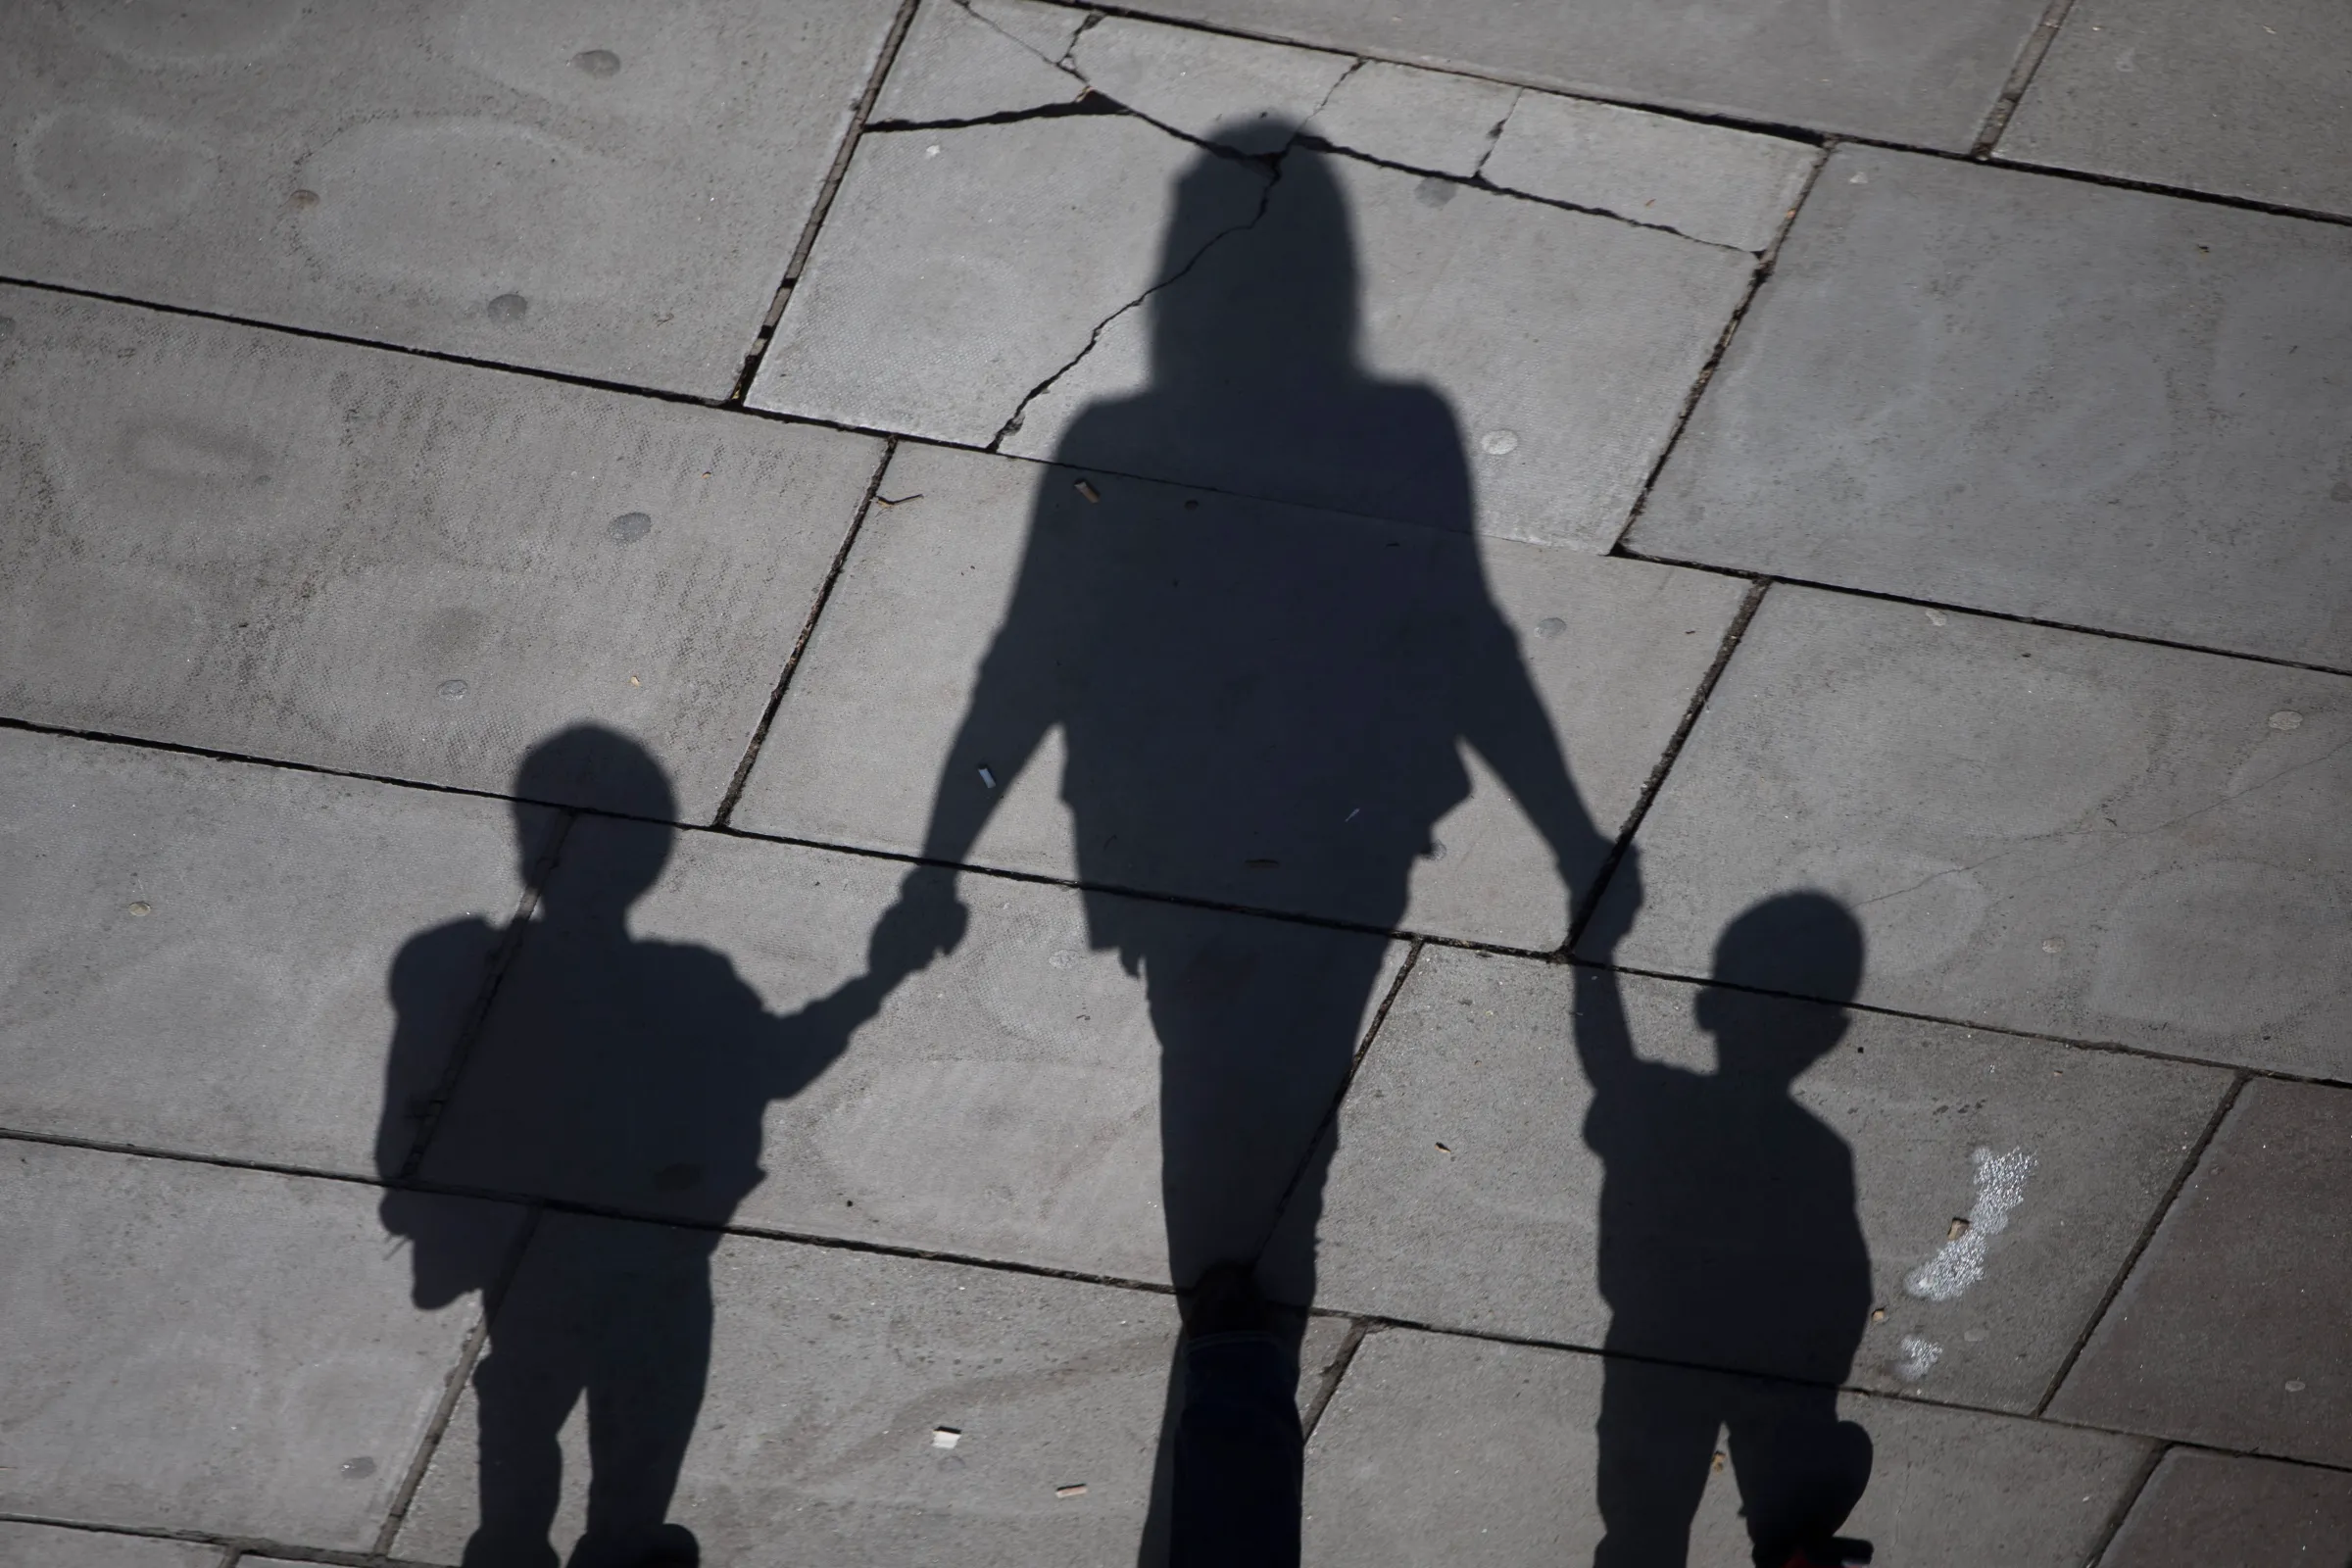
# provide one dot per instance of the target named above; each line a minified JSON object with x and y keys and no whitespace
{"x":1256,"y":1029}
{"x":1800,"y":1469}
{"x":1657,"y":1442}
{"x":522,"y":1389}
{"x":652,"y":1361}
{"x":1238,"y":1456}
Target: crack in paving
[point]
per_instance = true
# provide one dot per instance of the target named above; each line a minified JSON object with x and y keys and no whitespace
{"x":1019,"y":42}
{"x":1479,"y":182}
{"x":1265,"y":200}
{"x":1090,"y":104}
{"x":1095,"y":101}
{"x":1094,"y":20}
{"x":1494,"y":136}
{"x":1098,"y":103}
{"x":1324,"y":102}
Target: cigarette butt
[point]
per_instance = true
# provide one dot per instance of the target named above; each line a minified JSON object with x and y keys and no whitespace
{"x":1078,"y":1491}
{"x":987,"y":778}
{"x":1089,"y":491}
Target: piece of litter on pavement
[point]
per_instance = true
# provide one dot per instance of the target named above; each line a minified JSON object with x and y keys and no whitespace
{"x":1443,"y":1150}
{"x":988,"y":778}
{"x":1078,"y":1491}
{"x":945,"y":1437}
{"x":1089,"y":491}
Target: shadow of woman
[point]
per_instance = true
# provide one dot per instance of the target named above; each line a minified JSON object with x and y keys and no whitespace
{"x":609,"y":1063}
{"x":1248,"y":693}
{"x":1728,"y":1237}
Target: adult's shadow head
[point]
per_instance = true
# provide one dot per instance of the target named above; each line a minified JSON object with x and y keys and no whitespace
{"x":1259,"y":381}
{"x":1729,"y":1240}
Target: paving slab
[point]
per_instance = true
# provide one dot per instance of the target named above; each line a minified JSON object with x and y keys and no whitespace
{"x":2201,"y":1508}
{"x":1563,"y":345}
{"x":947,"y":284}
{"x":1044,"y":27}
{"x":1006,"y":1103}
{"x":2037,"y":829}
{"x":832,"y":1374}
{"x":597,"y":188}
{"x":1895,"y":69}
{"x":195,"y":951}
{"x":870,"y":728}
{"x":965,"y":61}
{"x":301,"y":549}
{"x":27,"y":1546}
{"x":1725,"y":186}
{"x":2238,"y":102}
{"x":1467,"y":1189}
{"x":196,"y":1347}
{"x":1234,"y":92}
{"x":2040,"y":398}
{"x":2231,"y":1330}
{"x":1420,"y":119}
{"x":1457,"y":1451}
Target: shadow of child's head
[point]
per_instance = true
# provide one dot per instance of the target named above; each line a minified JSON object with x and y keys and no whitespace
{"x":590,"y":764}
{"x":1803,"y":944}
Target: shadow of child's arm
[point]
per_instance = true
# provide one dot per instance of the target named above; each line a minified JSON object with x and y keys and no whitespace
{"x":807,"y":1042}
{"x":927,"y":920}
{"x":1604,"y":1044}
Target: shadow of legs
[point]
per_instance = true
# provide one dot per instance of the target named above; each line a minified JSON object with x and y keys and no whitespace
{"x":1238,"y":1452}
{"x":1657,"y":1442}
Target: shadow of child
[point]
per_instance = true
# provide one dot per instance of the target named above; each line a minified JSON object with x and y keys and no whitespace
{"x":1728,"y":1239}
{"x":613,"y":1068}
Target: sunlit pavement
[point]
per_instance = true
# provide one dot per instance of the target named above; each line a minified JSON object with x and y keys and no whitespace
{"x":1375,"y":538}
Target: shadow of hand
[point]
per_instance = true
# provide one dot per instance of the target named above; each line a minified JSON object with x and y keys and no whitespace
{"x":927,"y":921}
{"x":1618,"y":902}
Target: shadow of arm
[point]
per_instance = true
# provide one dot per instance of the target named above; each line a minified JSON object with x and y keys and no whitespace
{"x":1013,"y":702}
{"x":808,"y":1042}
{"x":1604,"y":1044}
{"x":1504,"y":723}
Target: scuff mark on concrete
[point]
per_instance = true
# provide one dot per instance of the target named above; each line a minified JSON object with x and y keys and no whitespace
{"x":1960,"y":1262}
{"x":1918,"y":1356}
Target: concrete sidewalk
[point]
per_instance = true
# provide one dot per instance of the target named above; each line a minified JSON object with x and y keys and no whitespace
{"x":1371,"y":540}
